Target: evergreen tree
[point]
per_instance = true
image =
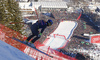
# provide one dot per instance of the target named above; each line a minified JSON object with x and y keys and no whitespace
{"x":10,"y":12}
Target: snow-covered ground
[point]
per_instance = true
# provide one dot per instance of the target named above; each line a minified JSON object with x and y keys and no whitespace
{"x":60,"y":37}
{"x":7,"y":52}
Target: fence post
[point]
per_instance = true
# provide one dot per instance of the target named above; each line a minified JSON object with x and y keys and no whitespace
{"x":48,"y":50}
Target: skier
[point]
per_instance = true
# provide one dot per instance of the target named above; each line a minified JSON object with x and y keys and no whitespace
{"x":41,"y":24}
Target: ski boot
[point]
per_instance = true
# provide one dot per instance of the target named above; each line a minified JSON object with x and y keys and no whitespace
{"x":31,"y":44}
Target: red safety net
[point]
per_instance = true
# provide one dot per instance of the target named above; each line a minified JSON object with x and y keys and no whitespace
{"x":6,"y":34}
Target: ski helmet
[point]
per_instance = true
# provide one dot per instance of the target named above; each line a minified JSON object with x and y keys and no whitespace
{"x":49,"y":22}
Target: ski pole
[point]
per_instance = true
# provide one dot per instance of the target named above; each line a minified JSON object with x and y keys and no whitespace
{"x":16,"y":22}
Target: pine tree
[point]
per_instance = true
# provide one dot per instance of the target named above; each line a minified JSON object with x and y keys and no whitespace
{"x":10,"y":12}
{"x":2,"y":11}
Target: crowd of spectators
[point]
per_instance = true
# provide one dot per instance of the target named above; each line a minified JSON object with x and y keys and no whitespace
{"x":78,"y":40}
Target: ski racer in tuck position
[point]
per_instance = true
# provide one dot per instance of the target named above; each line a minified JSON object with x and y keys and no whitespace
{"x":41,"y":24}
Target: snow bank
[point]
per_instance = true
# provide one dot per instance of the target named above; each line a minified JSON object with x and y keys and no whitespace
{"x":8,"y":52}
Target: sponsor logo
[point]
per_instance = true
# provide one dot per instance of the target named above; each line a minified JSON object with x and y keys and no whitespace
{"x":95,"y":39}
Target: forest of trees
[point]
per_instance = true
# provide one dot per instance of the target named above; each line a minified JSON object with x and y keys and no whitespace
{"x":10,"y":13}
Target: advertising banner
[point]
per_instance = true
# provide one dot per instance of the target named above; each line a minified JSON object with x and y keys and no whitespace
{"x":95,"y":39}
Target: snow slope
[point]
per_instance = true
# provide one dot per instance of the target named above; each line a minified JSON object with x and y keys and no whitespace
{"x":8,"y":52}
{"x":59,"y":38}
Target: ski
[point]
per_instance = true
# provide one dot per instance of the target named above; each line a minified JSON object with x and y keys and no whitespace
{"x":30,"y":46}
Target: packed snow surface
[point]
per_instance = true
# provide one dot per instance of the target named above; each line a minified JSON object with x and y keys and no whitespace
{"x":8,"y":52}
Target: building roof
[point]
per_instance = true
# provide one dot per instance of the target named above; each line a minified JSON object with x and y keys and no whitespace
{"x":51,"y":4}
{"x":31,"y":5}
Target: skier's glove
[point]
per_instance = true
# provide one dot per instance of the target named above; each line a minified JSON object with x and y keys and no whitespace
{"x":39,"y":34}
